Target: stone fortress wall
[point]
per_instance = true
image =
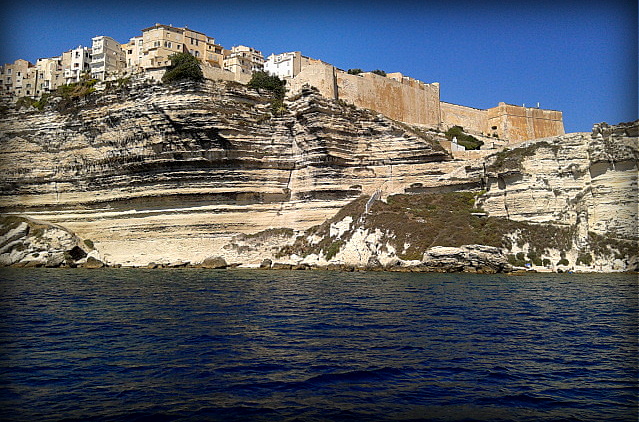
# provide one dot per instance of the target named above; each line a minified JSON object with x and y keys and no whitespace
{"x":411,"y":101}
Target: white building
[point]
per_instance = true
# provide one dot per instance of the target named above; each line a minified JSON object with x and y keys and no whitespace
{"x":75,"y":63}
{"x":285,"y":65}
{"x":107,"y":57}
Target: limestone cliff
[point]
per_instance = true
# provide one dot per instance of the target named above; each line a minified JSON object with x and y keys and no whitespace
{"x":175,"y":174}
{"x":150,"y":172}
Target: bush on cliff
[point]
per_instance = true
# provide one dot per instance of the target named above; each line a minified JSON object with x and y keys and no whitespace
{"x":262,"y":80}
{"x":184,"y":67}
{"x":463,"y":139}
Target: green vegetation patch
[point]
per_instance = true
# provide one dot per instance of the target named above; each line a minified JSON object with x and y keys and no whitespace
{"x":512,"y":159}
{"x":274,"y":85}
{"x":184,"y":67}
{"x":463,"y":139}
{"x":262,"y":80}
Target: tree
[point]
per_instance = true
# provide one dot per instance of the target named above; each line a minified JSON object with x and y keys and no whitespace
{"x":262,"y":80}
{"x":378,"y":72}
{"x":355,"y":71}
{"x":184,"y":67}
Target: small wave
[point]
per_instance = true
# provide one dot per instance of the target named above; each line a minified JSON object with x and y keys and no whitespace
{"x":354,"y":376}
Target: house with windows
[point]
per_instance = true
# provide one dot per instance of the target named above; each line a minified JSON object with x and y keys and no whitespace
{"x":159,"y":42}
{"x":18,"y":79}
{"x":75,"y":63}
{"x":243,"y":59}
{"x":107,"y":57}
{"x":50,"y":74}
{"x":284,"y":65}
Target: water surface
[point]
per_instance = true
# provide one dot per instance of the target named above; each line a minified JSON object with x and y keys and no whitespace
{"x":187,"y":345}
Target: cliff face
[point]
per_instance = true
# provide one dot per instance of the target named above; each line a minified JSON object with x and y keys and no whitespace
{"x":177,"y":174}
{"x":164,"y":173}
{"x":587,"y":180}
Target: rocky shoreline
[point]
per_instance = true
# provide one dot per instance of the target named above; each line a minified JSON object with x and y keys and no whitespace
{"x":206,"y":175}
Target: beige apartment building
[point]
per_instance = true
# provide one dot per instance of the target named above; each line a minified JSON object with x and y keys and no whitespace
{"x":159,"y":42}
{"x":107,"y":57}
{"x":50,"y":74}
{"x":243,"y":59}
{"x":18,"y":79}
{"x":133,"y":53}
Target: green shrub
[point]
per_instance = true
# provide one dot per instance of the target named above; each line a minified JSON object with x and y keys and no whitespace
{"x":184,"y":67}
{"x":333,"y":249}
{"x":584,"y":258}
{"x":24,"y":102}
{"x":378,"y":72}
{"x":516,"y":260}
{"x":463,"y":139}
{"x":278,"y":107}
{"x":89,"y":243}
{"x":262,"y":80}
{"x":356,"y":71}
{"x":563,"y":261}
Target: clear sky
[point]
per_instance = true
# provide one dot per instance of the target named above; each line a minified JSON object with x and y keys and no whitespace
{"x":579,"y":57}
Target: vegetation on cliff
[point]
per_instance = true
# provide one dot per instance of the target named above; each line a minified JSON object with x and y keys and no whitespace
{"x":463,"y":139}
{"x":272,"y":84}
{"x":413,"y":223}
{"x":184,"y":67}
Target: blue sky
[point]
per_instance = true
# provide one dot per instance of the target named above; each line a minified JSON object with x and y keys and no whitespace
{"x":579,"y":57}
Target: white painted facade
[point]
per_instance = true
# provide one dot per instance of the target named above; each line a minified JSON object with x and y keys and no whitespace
{"x":76,"y":62}
{"x":283,"y":65}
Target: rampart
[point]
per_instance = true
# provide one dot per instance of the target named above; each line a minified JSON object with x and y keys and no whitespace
{"x":518,"y":123}
{"x":411,"y":101}
{"x":400,"y":98}
{"x":473,"y":120}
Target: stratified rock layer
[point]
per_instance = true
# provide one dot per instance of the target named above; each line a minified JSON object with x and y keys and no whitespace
{"x":156,"y":173}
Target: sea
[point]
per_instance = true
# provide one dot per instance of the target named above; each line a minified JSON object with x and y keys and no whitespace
{"x":250,"y":345}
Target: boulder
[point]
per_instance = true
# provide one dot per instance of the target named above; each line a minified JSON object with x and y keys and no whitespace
{"x":92,"y":263}
{"x":55,"y":259}
{"x":467,"y":258}
{"x":178,"y":264}
{"x":281,"y":266}
{"x":214,"y":262}
{"x":266,"y":264}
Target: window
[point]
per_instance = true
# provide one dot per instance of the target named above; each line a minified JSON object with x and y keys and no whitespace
{"x":9,"y":71}
{"x":130,"y":52}
{"x":18,"y":74}
{"x":494,"y":128}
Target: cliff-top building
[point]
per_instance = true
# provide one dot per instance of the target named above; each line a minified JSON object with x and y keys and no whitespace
{"x":159,"y":42}
{"x":395,"y":95}
{"x":243,"y":59}
{"x":107,"y":57}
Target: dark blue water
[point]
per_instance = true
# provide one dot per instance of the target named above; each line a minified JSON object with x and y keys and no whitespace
{"x":190,"y":345}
